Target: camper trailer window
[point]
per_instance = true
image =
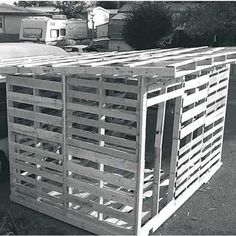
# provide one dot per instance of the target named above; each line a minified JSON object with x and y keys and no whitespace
{"x":32,"y":33}
{"x":1,"y":22}
{"x":62,"y":32}
{"x":54,"y":33}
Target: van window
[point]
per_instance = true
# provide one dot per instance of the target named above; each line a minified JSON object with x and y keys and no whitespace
{"x":54,"y":33}
{"x":62,"y":32}
{"x":32,"y":33}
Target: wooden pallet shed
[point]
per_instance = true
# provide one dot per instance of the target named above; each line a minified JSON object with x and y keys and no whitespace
{"x":115,"y":143}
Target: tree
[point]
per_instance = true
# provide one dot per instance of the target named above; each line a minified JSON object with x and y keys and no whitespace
{"x":147,"y":24}
{"x":73,"y":9}
{"x":211,"y":23}
{"x":34,"y":3}
{"x":110,"y":4}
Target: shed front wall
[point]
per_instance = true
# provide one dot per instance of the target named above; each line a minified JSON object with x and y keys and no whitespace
{"x":77,"y":146}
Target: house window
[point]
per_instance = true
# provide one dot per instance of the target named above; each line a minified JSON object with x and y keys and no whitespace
{"x":1,"y":22}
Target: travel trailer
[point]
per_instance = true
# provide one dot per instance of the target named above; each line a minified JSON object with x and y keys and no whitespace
{"x":76,"y":29}
{"x":51,"y":30}
{"x":43,"y":29}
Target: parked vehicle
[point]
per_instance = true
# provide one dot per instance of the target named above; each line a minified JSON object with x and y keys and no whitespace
{"x":15,"y":51}
{"x":52,"y":30}
{"x":98,"y":45}
{"x":42,"y":29}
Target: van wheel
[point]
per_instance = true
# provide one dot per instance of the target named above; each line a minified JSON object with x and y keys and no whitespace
{"x":4,"y":166}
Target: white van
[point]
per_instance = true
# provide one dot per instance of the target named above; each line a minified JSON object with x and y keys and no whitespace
{"x":43,"y":29}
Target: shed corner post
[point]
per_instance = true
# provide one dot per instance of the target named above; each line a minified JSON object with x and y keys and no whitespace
{"x":175,"y":147}
{"x":142,"y":113}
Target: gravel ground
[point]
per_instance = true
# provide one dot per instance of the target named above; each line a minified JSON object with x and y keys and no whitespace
{"x":211,"y":210}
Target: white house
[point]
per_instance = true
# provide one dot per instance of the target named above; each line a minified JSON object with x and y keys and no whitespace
{"x":99,"y":15}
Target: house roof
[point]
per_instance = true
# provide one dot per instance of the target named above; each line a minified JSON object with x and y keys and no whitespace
{"x":120,"y":16}
{"x":128,"y":7}
{"x":44,"y":9}
{"x":113,"y":11}
{"x":103,"y":24}
{"x":10,"y":9}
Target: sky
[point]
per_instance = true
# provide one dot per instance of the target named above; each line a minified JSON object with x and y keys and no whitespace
{"x":7,"y":1}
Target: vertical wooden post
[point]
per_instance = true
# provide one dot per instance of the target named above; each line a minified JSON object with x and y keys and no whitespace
{"x":37,"y":142}
{"x":175,"y":147}
{"x":141,"y":154}
{"x":11,"y":138}
{"x":158,"y":156}
{"x":226,"y":100}
{"x":65,"y":157}
{"x":102,"y":132}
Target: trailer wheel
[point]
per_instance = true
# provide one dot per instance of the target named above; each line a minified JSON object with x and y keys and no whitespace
{"x":4,"y":167}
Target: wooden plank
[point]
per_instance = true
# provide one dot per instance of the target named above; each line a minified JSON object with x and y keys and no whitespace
{"x":187,"y":175}
{"x":35,"y":100}
{"x":106,"y":150}
{"x":103,"y":158}
{"x":195,"y":97}
{"x":29,"y":159}
{"x":26,"y":190}
{"x":216,"y":106}
{"x":141,"y":155}
{"x":166,"y":212}
{"x":78,"y":221}
{"x":55,"y":209}
{"x":106,"y":138}
{"x":193,"y":112}
{"x":50,"y":187}
{"x":35,"y":83}
{"x":191,"y":127}
{"x":213,"y":138}
{"x":218,"y":86}
{"x":109,"y":194}
{"x":215,"y":116}
{"x":92,"y":205}
{"x":35,"y":132}
{"x":216,"y":96}
{"x":127,"y":115}
{"x":66,"y":190}
{"x":190,"y":163}
{"x":106,"y":125}
{"x":52,"y":175}
{"x":189,"y":154}
{"x":175,"y":147}
{"x":35,"y":116}
{"x":164,"y":97}
{"x":101,"y":175}
{"x":158,"y":156}
{"x":210,"y":163}
{"x":104,"y":70}
{"x":36,"y":150}
{"x":194,"y":83}
{"x":121,"y":87}
{"x":190,"y":144}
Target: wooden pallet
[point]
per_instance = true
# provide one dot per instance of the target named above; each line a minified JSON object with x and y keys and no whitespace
{"x":88,"y":134}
